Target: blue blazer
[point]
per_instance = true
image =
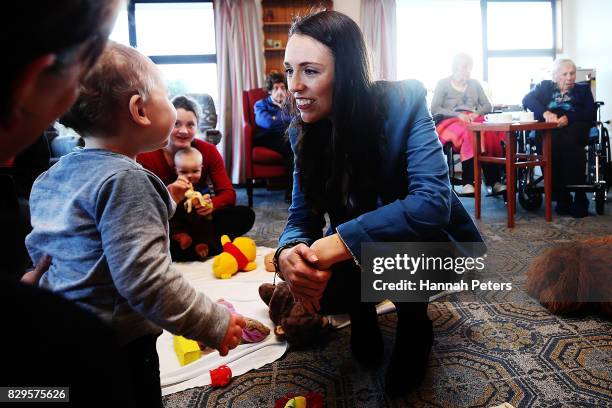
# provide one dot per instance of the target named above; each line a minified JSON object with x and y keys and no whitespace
{"x":584,"y":109}
{"x":415,"y":199}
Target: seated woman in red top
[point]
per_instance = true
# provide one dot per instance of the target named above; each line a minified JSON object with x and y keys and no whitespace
{"x":227,"y":218}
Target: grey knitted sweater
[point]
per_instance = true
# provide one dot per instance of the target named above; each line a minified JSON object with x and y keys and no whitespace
{"x":448,"y":101}
{"x":103,"y":219}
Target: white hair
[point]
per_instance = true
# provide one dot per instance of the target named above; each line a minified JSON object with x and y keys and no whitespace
{"x":558,"y":64}
{"x":460,"y":59}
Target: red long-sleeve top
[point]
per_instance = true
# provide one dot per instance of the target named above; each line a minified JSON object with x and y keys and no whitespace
{"x":213,"y":166}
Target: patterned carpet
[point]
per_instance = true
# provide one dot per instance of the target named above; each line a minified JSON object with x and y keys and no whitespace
{"x":489,"y":347}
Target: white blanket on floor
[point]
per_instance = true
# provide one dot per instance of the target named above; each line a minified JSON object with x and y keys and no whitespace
{"x":242,"y":291}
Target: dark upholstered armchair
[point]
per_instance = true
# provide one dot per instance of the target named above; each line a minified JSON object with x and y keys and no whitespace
{"x":208,"y":121}
{"x":260,"y":162}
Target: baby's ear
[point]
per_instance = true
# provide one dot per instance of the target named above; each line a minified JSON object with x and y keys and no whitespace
{"x":138,"y":111}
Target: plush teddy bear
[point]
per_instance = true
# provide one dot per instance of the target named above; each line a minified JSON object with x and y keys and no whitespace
{"x":292,"y":320}
{"x":574,"y":277}
{"x":236,"y":256}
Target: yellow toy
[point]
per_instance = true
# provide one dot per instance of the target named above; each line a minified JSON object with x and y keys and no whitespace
{"x":186,"y":350}
{"x":297,"y":402}
{"x":236,"y":256}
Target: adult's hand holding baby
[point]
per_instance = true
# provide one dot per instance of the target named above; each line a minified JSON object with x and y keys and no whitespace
{"x":207,"y":209}
{"x":233,"y":335}
{"x":32,"y":277}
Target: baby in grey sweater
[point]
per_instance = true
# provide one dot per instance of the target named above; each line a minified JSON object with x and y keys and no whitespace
{"x":104,"y":219}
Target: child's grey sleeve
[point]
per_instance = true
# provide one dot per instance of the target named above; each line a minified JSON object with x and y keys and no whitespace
{"x":132,"y":211}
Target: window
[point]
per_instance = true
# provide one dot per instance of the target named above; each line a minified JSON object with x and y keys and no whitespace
{"x":512,"y":42}
{"x":429,"y":34}
{"x":121,"y":31}
{"x":519,"y":25}
{"x":175,"y":28}
{"x":179,"y":37}
{"x":520,"y":46}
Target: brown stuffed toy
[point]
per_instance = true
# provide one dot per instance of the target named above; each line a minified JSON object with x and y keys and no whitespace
{"x":292,"y":320}
{"x":574,"y":277}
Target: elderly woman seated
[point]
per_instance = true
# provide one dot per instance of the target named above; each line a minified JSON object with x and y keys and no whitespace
{"x":458,"y":101}
{"x":572,"y":108}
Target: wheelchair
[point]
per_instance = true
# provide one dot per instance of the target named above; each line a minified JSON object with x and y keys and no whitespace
{"x":598,"y":168}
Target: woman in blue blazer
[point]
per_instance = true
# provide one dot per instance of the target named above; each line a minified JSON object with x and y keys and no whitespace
{"x":368,"y":156}
{"x":572,"y":108}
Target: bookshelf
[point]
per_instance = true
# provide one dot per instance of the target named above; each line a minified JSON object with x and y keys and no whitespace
{"x":277,"y":18}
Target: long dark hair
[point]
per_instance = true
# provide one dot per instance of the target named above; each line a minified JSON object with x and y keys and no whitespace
{"x":339,"y":157}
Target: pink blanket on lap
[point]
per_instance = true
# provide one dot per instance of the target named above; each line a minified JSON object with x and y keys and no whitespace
{"x":456,"y":131}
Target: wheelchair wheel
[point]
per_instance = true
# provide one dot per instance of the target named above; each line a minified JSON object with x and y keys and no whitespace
{"x":530,"y":199}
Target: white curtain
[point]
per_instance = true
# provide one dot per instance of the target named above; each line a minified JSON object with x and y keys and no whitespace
{"x":240,"y":66}
{"x":378,"y":23}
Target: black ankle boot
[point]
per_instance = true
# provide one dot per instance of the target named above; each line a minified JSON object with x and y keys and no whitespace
{"x":366,"y":338}
{"x":409,"y":360}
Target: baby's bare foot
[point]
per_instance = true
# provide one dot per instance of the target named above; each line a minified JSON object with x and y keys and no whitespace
{"x":202,"y":250}
{"x":183,"y":239}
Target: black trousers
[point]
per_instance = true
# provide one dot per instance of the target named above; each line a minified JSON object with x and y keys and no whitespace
{"x":568,"y":156}
{"x":50,"y":341}
{"x":232,"y":221}
{"x":343,"y":295}
{"x":142,"y":363}
{"x":492,"y":172}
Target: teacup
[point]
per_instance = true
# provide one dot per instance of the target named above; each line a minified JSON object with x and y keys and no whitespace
{"x":526,"y":117}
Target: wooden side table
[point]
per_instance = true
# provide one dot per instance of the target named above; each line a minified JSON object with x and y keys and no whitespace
{"x":514,"y":160}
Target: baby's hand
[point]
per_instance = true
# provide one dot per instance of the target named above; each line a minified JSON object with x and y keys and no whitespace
{"x":178,"y":188}
{"x":32,"y":277}
{"x":233,"y":335}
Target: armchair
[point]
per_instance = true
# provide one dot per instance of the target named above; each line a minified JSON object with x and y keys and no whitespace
{"x":208,"y":122}
{"x":260,"y":162}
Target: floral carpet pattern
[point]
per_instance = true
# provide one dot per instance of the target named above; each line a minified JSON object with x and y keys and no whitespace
{"x":490,"y":347}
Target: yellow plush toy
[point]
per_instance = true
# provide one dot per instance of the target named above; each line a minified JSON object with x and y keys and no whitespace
{"x":236,"y":256}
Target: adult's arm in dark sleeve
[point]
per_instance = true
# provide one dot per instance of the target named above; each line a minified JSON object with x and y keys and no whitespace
{"x":535,"y":103}
{"x":585,"y":111}
{"x":302,"y":223}
{"x":426,"y":208}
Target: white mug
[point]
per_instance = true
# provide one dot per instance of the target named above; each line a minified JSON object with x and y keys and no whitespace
{"x":505,"y":117}
{"x":526,"y":117}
